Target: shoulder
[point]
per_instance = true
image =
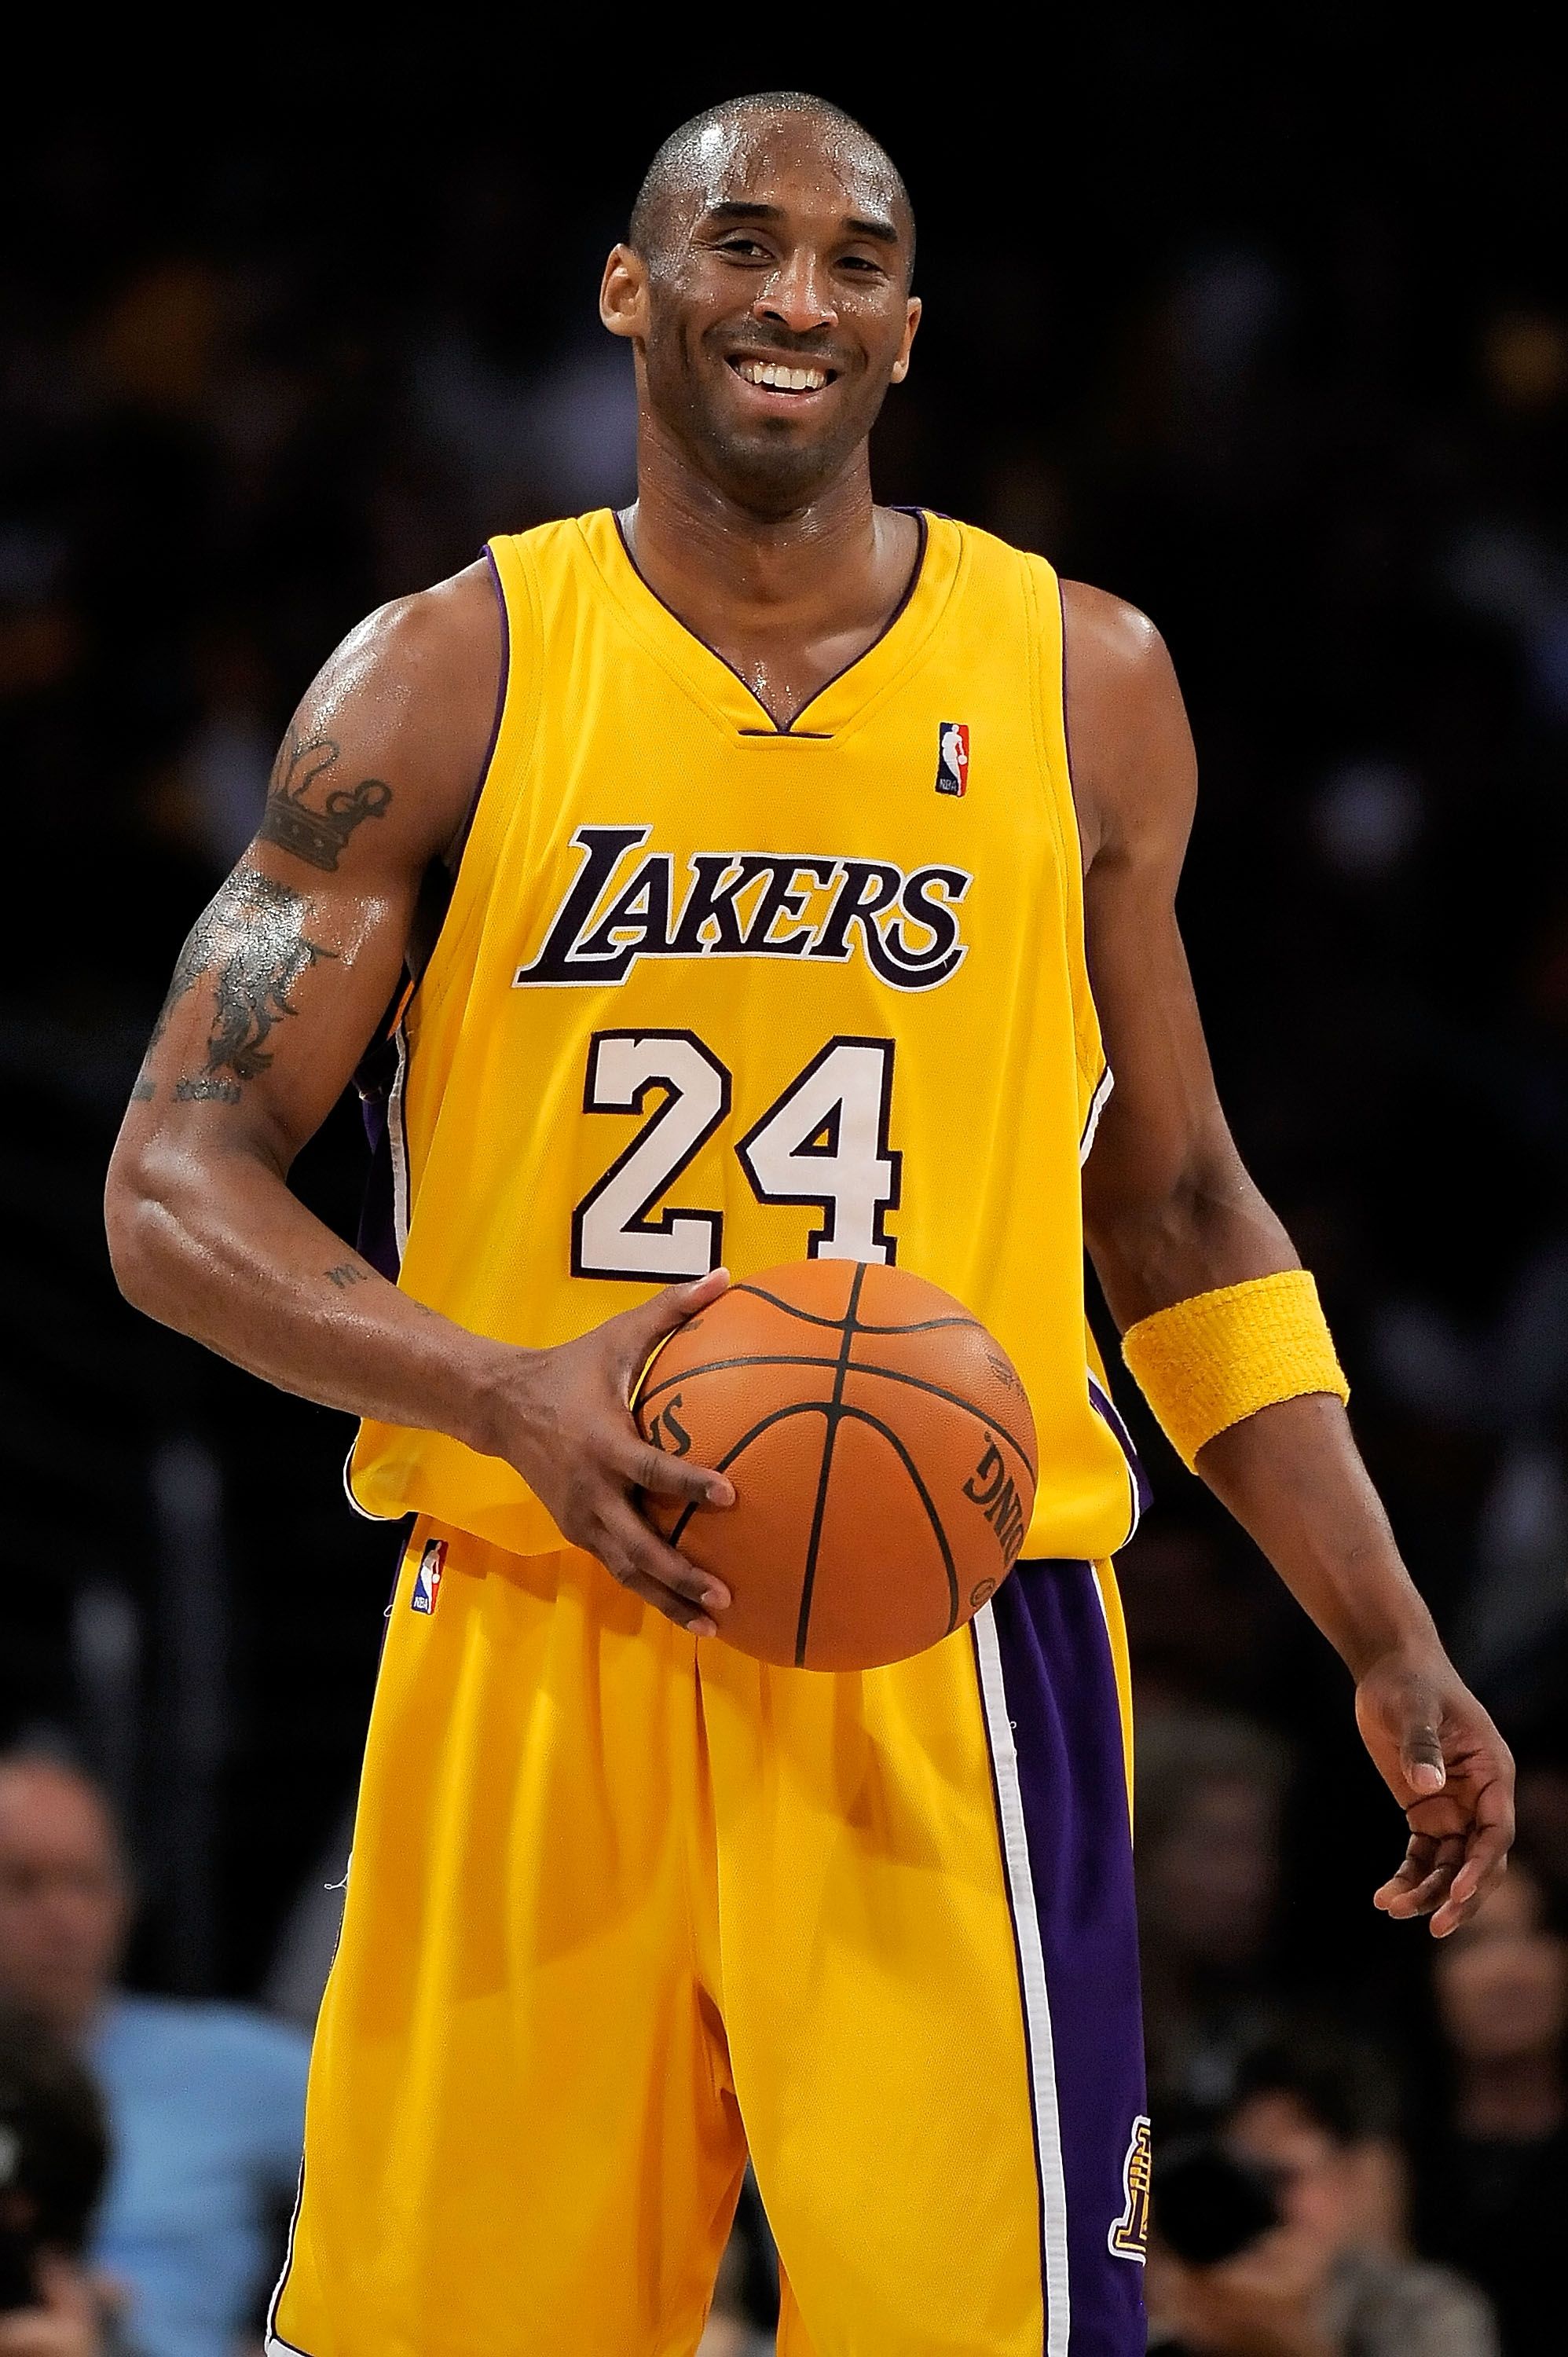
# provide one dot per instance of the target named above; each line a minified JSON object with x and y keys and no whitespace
{"x":1116,"y":643}
{"x":407,"y":703}
{"x":445,"y":637}
{"x":1133,"y":772}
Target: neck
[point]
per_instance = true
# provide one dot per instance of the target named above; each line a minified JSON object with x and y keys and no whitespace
{"x":695,"y":541}
{"x":789,"y":600}
{"x":1511,"y":2099}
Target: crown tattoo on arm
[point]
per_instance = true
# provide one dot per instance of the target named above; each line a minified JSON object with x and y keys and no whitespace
{"x":315,"y":830}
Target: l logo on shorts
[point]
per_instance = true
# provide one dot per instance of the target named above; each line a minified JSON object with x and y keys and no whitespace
{"x":428,"y":1578}
{"x":1129,"y":2237}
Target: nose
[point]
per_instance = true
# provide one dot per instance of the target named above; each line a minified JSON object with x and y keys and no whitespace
{"x":795,"y":297}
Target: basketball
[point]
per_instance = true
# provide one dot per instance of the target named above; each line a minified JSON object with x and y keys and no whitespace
{"x":882,"y":1451}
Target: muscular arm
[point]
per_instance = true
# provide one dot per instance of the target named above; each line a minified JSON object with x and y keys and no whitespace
{"x":277,"y":993}
{"x":1169,"y":1212}
{"x":275,"y":996}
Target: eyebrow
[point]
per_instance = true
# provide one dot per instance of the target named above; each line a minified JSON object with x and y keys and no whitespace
{"x":738,"y":209}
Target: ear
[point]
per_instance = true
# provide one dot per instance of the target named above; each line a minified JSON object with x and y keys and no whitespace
{"x":911,"y":322}
{"x":623,"y":295}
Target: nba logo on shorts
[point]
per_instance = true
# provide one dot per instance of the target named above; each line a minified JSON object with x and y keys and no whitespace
{"x":952,"y":757}
{"x":428,"y":1578}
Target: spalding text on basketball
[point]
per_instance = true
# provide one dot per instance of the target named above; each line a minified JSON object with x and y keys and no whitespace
{"x":991,"y":1487}
{"x":619,"y":908}
{"x":667,"y":1431}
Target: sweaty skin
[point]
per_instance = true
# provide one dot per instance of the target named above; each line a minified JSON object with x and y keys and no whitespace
{"x":782,"y":242}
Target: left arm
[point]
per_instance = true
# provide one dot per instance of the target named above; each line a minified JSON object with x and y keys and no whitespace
{"x":1170,"y":1211}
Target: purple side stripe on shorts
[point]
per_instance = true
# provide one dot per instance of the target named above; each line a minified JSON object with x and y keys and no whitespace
{"x":1060,"y":1775}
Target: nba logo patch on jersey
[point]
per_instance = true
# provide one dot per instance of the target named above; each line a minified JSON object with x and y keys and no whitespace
{"x":952,"y":757}
{"x":428,"y":1578}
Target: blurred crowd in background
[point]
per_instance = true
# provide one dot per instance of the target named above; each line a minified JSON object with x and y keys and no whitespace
{"x":1284,"y":359}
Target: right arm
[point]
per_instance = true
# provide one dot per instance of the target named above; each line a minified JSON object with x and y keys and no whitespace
{"x":275,"y":996}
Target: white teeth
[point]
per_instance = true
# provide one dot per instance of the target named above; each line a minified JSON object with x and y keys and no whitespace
{"x":782,"y":380}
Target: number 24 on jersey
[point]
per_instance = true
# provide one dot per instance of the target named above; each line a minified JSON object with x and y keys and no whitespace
{"x":822,"y":1142}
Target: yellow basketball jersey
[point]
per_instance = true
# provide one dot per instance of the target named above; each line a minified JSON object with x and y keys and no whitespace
{"x":713,"y":991}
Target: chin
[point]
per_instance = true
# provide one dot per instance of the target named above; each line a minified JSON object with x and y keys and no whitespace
{"x":775,"y":469}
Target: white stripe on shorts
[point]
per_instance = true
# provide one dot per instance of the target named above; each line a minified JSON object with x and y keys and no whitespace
{"x":1032,"y":1976}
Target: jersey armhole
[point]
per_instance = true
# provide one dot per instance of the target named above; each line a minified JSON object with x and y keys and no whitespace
{"x":1056,"y":758}
{"x":502,"y":776}
{"x":452,"y":860}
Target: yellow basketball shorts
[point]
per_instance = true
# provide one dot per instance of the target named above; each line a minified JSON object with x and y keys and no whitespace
{"x":625,"y":1905}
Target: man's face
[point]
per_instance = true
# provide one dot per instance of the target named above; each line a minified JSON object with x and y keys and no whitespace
{"x":1313,"y":2181}
{"x":1210,"y":1886}
{"x":773,"y":312}
{"x":62,"y":1896}
{"x":1501,"y":1984}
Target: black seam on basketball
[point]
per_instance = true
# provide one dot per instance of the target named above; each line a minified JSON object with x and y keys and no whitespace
{"x":717,"y":1366}
{"x":857,"y":1367}
{"x":824,"y":1471}
{"x":833,"y":1416}
{"x":954,"y":1399}
{"x":737,"y":1448}
{"x":815,"y":1318}
{"x":863,"y":1415}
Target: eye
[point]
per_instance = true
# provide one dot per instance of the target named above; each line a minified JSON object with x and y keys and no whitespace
{"x":863,"y":265}
{"x":746,"y":248}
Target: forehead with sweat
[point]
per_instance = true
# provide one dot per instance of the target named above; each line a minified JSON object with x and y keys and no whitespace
{"x":741,"y":153}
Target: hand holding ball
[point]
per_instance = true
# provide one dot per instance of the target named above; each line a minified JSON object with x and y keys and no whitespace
{"x":882,"y":1451}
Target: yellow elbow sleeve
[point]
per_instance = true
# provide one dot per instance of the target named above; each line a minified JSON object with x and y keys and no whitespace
{"x":1204,"y":1364}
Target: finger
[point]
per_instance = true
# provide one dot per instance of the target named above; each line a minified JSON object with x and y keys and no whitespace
{"x":1422,"y":1762}
{"x":1417,"y":1864}
{"x":642,"y":1329}
{"x":1436,"y":1868}
{"x":1419,"y":1897}
{"x":1486,"y":1842}
{"x":1422,"y":1898}
{"x":635,"y":1553}
{"x":1486,"y":1863}
{"x":647,"y":1467}
{"x":689,"y":1617}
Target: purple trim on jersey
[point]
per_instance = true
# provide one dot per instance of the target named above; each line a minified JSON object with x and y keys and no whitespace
{"x":1067,"y":731}
{"x":1106,"y":1407}
{"x":377,"y":1239}
{"x":1062,"y":1701}
{"x":502,"y":685}
{"x":773,"y":729}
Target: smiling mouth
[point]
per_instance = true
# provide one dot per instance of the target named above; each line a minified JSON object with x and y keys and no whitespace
{"x":779,"y":376}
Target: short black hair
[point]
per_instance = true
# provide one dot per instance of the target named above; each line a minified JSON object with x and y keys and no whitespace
{"x":1344,"y":2084}
{"x":54,"y":2141}
{"x":664,"y":175}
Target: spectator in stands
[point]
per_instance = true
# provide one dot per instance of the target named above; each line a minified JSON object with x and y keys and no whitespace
{"x":205,"y":2102}
{"x":54,"y":2154}
{"x":1494,"y":2180}
{"x":1210,"y":1794}
{"x":1314,"y":2120}
{"x":1542,"y":1811}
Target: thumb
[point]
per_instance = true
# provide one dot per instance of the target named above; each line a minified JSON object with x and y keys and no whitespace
{"x":1421,"y":1759}
{"x":643,"y":1329}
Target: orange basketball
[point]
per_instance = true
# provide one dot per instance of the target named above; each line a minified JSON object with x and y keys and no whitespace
{"x":882,"y":1451}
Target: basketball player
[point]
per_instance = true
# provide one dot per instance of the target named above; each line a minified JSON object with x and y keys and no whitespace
{"x":773,"y":909}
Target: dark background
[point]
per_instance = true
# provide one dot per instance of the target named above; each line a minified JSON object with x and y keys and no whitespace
{"x":1272,"y":339}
